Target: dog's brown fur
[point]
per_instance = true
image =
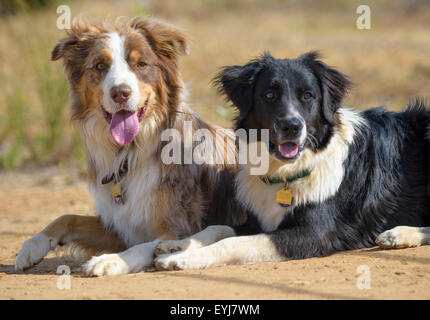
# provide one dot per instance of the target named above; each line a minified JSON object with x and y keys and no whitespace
{"x":162,"y":201}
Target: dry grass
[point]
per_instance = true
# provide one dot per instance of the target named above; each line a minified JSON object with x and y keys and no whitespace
{"x":388,"y":64}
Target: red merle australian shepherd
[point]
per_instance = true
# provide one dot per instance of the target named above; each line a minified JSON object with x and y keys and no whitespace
{"x":338,"y":179}
{"x":126,"y":91}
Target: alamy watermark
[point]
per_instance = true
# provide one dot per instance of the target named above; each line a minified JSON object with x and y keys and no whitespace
{"x":363,"y":21}
{"x":63,"y":21}
{"x":364,"y":278}
{"x":64,"y":280}
{"x":202,"y":146}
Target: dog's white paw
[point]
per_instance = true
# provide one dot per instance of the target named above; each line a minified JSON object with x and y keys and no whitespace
{"x":399,"y":237}
{"x":187,"y":260}
{"x":106,"y":264}
{"x":33,"y":250}
{"x":170,"y":262}
{"x":172,"y":246}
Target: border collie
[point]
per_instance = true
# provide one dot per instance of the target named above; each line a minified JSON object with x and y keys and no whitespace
{"x":338,"y":178}
{"x":126,"y":91}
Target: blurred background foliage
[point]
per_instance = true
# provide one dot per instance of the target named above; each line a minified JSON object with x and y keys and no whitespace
{"x":9,"y":7}
{"x":388,"y":64}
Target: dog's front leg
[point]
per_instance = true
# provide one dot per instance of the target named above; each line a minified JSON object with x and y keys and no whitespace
{"x":236,"y":250}
{"x":203,"y":238}
{"x":131,"y":260}
{"x":86,"y":231}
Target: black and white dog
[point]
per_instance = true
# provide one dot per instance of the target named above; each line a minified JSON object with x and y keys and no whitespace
{"x":352,"y":175}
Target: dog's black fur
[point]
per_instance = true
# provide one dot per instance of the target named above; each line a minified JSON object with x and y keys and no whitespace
{"x":385,"y":183}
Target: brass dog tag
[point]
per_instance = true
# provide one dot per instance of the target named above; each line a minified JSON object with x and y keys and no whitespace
{"x":116,"y":192}
{"x":284,"y":197}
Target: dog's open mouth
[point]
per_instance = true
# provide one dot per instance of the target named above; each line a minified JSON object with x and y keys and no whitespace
{"x":125,"y":124}
{"x":290,"y":150}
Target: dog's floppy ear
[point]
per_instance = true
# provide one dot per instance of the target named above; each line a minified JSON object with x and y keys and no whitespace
{"x":334,"y":84}
{"x":75,"y":48}
{"x":166,"y":40}
{"x":81,"y":30}
{"x":62,"y":46}
{"x":237,"y":84}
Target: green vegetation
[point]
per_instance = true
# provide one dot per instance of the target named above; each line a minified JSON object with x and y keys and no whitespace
{"x":8,"y":7}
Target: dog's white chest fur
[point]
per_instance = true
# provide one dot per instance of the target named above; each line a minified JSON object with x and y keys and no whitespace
{"x":260,"y":199}
{"x":132,"y":219}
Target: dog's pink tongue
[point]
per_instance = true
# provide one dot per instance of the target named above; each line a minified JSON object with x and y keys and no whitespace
{"x":124,"y":126}
{"x":288,"y":150}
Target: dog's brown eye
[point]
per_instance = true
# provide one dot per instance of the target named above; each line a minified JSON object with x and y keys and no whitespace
{"x":100,"y":66}
{"x":269,"y":95}
{"x":307,"y":95}
{"x":141,"y":64}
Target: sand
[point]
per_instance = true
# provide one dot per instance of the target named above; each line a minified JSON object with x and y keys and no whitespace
{"x":29,"y":201}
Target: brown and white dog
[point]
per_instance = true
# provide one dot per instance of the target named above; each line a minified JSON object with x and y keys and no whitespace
{"x":126,"y":90}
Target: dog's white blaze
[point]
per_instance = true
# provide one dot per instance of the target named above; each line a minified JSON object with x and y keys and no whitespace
{"x":119,"y":73}
{"x":323,"y":182}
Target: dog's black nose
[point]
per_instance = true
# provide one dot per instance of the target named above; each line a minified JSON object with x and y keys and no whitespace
{"x":120,"y":93}
{"x":291,"y":126}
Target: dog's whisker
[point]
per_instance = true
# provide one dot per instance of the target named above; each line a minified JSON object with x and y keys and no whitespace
{"x":312,"y":140}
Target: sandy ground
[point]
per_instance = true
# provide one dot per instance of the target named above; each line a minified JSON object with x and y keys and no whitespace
{"x":29,"y":201}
